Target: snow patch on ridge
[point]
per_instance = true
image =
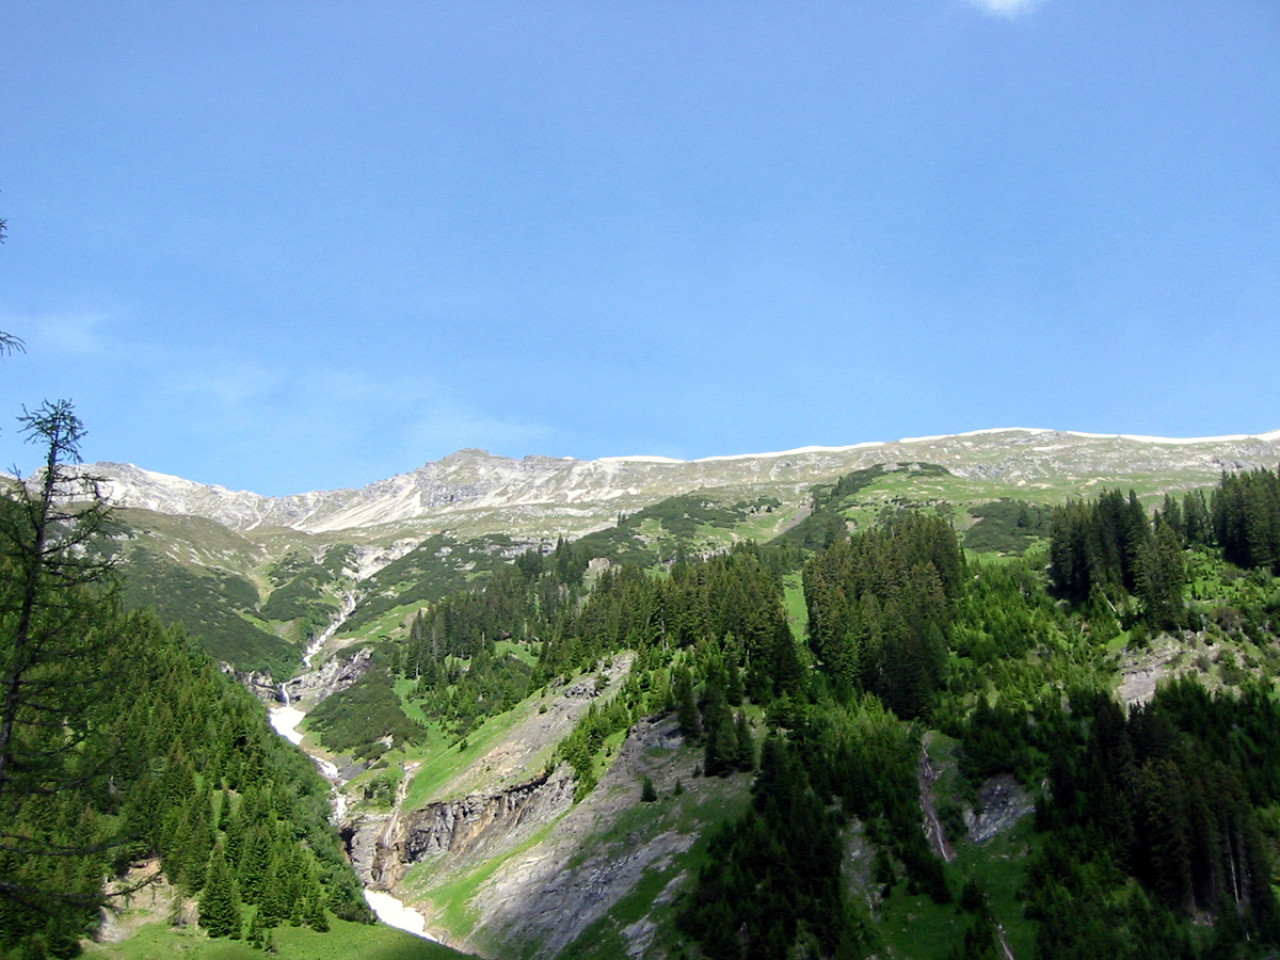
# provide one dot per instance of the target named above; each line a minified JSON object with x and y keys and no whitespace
{"x":470,"y":482}
{"x":1271,"y":437}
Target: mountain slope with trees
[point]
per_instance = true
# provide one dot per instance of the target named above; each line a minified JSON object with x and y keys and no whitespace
{"x":847,"y":674}
{"x":121,"y":745}
{"x":909,"y":647}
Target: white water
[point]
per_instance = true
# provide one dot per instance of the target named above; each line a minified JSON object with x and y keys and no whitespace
{"x":389,"y":910}
{"x":395,"y":914}
{"x":314,"y":647}
{"x":286,"y":720}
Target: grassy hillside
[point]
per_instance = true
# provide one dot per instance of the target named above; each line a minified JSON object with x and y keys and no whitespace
{"x":160,"y":940}
{"x":937,"y":594}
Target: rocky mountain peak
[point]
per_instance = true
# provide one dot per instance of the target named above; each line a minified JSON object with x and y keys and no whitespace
{"x":443,"y":493}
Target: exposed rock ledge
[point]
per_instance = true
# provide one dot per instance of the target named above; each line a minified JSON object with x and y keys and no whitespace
{"x":471,"y":826}
{"x":333,"y":676}
{"x":259,"y":684}
{"x":1004,"y":803}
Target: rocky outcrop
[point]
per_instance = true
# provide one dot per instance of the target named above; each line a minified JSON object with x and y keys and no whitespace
{"x":471,"y":826}
{"x":546,"y":899}
{"x":334,"y":675}
{"x":549,"y":894}
{"x":361,"y":837}
{"x":1004,"y":803}
{"x":259,"y":684}
{"x":472,"y":480}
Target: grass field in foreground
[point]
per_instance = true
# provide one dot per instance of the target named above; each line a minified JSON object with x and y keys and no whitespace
{"x":346,"y":941}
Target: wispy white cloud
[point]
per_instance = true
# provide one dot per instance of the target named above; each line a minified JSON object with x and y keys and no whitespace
{"x":317,"y":417}
{"x":230,"y":385}
{"x":67,"y":334}
{"x":275,"y":423}
{"x":1006,"y":8}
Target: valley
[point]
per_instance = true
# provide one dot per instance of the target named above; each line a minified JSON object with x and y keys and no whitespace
{"x":547,"y":695}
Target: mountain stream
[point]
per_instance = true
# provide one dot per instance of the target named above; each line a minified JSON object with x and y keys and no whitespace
{"x":390,"y":911}
{"x":285,"y":719}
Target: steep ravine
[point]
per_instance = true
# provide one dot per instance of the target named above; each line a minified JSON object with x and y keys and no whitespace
{"x":500,"y":801}
{"x":540,"y":869}
{"x":390,"y":911}
{"x":294,"y":698}
{"x":475,"y":826}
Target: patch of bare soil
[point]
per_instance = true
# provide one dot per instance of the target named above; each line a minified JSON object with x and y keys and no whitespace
{"x":1142,"y":670}
{"x":150,"y":898}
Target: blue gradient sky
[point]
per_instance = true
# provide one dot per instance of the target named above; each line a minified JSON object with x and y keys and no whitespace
{"x":294,"y":245}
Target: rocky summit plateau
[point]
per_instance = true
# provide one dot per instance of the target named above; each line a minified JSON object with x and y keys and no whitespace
{"x":471,"y":489}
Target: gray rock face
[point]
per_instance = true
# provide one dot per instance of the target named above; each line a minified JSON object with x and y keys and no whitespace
{"x":470,"y":826}
{"x":551,"y":893}
{"x":361,"y":837}
{"x":259,"y":684}
{"x":335,"y":674}
{"x":472,"y":480}
{"x":1004,"y":803}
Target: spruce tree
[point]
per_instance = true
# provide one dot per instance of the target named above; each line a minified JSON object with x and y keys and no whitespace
{"x":745,"y":756}
{"x":686,"y":706}
{"x":648,"y":793}
{"x":63,"y":641}
{"x":722,"y":744}
{"x":317,"y":919}
{"x":220,"y":905}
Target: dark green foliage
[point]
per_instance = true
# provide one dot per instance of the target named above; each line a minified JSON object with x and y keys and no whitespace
{"x":981,"y":936}
{"x":648,"y":793}
{"x":363,"y":714}
{"x":734,"y":597}
{"x":1246,"y":519}
{"x":681,"y":520}
{"x":212,"y":607}
{"x":461,"y":694}
{"x":317,"y":919}
{"x":451,"y":650}
{"x":507,"y":606}
{"x":220,"y":905}
{"x":1197,"y":524}
{"x":771,"y":882}
{"x":1004,"y":612}
{"x":1097,"y":545}
{"x":744,"y":744}
{"x":826,"y":523}
{"x":1108,"y":548}
{"x":300,"y":582}
{"x":721,"y":753}
{"x":63,"y":636}
{"x":122,"y":735}
{"x":1007,"y":526}
{"x":580,"y":747}
{"x":881,"y":605}
{"x":1167,"y":794}
{"x":686,"y":705}
{"x":1161,"y":578}
{"x":430,"y":572}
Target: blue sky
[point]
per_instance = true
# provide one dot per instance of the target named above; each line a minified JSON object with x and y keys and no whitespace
{"x":295,"y":245}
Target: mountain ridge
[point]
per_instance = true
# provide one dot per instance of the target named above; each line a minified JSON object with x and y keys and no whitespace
{"x":540,"y":492}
